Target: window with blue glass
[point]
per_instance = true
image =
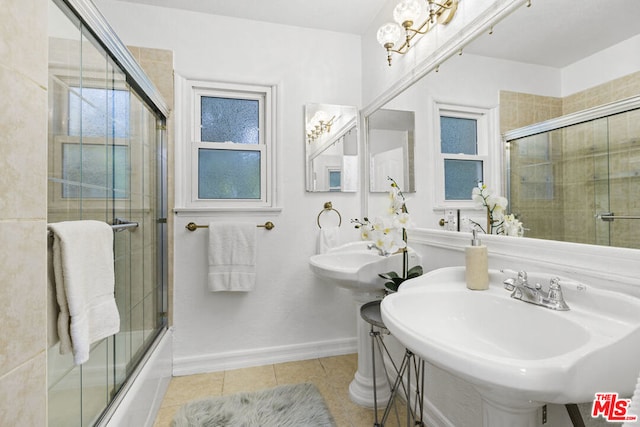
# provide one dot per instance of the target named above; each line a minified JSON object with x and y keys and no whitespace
{"x":459,"y":136}
{"x":231,"y":146}
{"x":463,"y":153}
{"x":95,"y":156}
{"x":335,"y":180}
{"x":98,"y":112}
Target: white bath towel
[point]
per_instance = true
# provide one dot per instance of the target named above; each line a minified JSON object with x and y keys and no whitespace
{"x":329,"y":237}
{"x":84,"y":278}
{"x":232,"y":256}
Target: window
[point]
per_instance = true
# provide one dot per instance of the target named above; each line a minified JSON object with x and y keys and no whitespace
{"x":230,"y":146}
{"x":91,"y":154}
{"x":462,"y":159}
{"x":335,"y":180}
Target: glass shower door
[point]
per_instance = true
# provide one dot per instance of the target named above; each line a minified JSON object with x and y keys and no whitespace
{"x":104,"y":164}
{"x":621,"y":227}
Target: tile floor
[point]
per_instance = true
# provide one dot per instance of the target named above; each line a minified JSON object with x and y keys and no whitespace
{"x":331,"y":375}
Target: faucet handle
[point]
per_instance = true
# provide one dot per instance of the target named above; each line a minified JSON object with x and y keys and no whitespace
{"x":509,"y":284}
{"x":522,"y":276}
{"x":555,"y":290}
{"x":555,"y":295}
{"x":512,"y":283}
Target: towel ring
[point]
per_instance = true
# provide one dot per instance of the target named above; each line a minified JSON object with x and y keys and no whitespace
{"x":329,"y":207}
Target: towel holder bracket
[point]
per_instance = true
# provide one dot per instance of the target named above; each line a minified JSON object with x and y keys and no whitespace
{"x":327,"y":208}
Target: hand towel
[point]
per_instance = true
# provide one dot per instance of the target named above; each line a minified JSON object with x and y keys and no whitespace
{"x":84,"y":278}
{"x":232,"y":256}
{"x":328,"y":238}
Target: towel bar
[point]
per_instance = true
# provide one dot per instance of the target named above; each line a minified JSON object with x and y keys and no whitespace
{"x":192,"y":226}
{"x":329,"y":207}
{"x":610,"y":216}
{"x":118,"y":225}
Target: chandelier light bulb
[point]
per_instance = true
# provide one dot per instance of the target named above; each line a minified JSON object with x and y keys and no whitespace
{"x":413,"y":18}
{"x":389,"y":34}
{"x":407,"y":12}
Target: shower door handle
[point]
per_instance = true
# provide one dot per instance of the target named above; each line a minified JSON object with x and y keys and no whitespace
{"x":610,"y":216}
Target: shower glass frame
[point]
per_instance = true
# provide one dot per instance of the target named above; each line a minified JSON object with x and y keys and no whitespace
{"x":85,"y":53}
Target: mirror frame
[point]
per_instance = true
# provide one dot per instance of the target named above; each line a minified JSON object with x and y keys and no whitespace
{"x":339,"y":129}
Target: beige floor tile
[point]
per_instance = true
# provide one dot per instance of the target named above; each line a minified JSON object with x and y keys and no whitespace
{"x":165,"y":415}
{"x":249,"y":379}
{"x":332,"y":376}
{"x":183,"y":389}
{"x":299,"y":372}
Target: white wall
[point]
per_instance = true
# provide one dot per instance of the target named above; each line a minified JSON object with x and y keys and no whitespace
{"x":612,"y":63}
{"x":291,"y":314}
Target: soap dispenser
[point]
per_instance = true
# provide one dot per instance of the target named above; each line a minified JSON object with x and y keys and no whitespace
{"x":477,"y":265}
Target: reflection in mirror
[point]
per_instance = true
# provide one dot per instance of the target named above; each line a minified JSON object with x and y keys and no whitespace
{"x":391,"y":142}
{"x":579,"y":183}
{"x":541,"y":62}
{"x":331,"y":148}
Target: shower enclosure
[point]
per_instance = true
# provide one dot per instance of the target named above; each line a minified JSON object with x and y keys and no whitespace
{"x":107,"y":162}
{"x":577,"y":178}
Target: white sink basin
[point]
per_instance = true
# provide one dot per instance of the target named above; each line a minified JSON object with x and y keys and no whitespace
{"x":516,"y":353}
{"x":355,"y":267}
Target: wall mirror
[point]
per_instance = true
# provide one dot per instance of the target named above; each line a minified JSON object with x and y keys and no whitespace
{"x":540,"y":63}
{"x":391,"y":142}
{"x":331,"y":148}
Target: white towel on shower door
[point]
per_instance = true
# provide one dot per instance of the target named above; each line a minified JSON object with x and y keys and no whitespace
{"x":232,"y":256}
{"x":85,"y":279}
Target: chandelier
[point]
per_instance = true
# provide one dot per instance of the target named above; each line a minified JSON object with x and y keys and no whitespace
{"x":319,"y":124}
{"x":406,"y":16}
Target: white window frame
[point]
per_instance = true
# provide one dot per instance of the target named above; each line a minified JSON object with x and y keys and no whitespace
{"x":486,"y":128}
{"x":187,"y":150}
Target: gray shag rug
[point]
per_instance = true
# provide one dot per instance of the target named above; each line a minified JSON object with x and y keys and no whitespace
{"x":299,"y":405}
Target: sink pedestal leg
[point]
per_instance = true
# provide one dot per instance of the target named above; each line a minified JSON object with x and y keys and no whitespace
{"x":500,"y":415}
{"x":361,"y":388}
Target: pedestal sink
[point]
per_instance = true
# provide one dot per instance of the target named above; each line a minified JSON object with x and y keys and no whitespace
{"x":354,"y":267}
{"x":518,"y":355}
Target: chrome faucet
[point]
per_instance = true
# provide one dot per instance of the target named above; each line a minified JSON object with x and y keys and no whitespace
{"x":521,"y":289}
{"x":380,"y":251}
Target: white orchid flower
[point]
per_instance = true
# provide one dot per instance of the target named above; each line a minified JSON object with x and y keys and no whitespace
{"x":398,"y":238}
{"x":365,"y":234}
{"x":396,"y":201}
{"x":502,"y":202}
{"x":383,"y":224}
{"x":478,"y":197}
{"x":402,"y":220}
{"x":498,"y":214}
{"x":389,"y":243}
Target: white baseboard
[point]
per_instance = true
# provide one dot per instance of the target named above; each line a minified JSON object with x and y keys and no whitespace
{"x":189,"y":365}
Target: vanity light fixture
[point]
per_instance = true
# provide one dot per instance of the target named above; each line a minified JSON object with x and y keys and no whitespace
{"x":320,"y":123}
{"x":409,"y":12}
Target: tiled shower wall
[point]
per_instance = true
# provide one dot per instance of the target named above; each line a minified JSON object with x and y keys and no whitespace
{"x":580,"y":158}
{"x":23,"y":211}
